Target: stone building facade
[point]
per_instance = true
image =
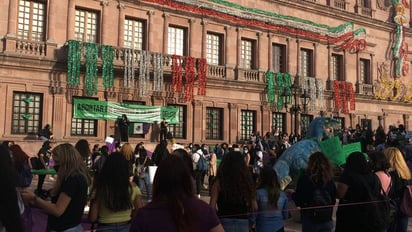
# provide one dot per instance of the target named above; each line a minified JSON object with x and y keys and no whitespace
{"x":231,"y":67}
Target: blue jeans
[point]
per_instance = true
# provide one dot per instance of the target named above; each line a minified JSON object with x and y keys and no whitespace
{"x":146,"y":182}
{"x":115,"y":227}
{"x":235,"y":224}
{"x":77,"y":228}
{"x":309,"y":226}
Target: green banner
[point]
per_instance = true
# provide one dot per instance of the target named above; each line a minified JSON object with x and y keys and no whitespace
{"x":332,"y":148}
{"x":103,"y":110}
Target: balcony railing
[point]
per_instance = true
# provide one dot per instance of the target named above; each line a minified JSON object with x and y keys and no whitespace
{"x":50,"y":51}
{"x":340,"y":4}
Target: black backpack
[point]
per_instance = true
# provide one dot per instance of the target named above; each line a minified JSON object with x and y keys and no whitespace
{"x":320,"y":209}
{"x":381,"y":210}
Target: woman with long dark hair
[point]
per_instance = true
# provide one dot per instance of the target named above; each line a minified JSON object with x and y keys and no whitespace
{"x":69,"y":193}
{"x":233,"y":193}
{"x":272,"y":202}
{"x":143,"y":161}
{"x":316,"y":182}
{"x":114,"y":198}
{"x":11,"y":205}
{"x":174,"y":206}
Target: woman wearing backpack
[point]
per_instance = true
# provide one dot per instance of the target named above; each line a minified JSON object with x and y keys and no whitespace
{"x":316,"y":189}
{"x":400,"y":175}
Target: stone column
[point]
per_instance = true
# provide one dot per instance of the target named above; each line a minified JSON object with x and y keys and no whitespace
{"x":70,"y":19}
{"x":192,"y":33}
{"x":150,"y":26}
{"x":233,"y":123}
{"x":120,"y":34}
{"x":239,"y":45}
{"x":204,"y":35}
{"x":198,"y":136}
{"x":104,"y":26}
{"x":51,"y":22}
{"x":258,"y":53}
{"x":12,"y":20}
{"x":165,"y":32}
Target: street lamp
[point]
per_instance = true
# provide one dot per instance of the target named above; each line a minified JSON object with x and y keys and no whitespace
{"x":295,"y":108}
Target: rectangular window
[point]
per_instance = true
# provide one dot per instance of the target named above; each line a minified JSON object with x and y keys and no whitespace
{"x":214,"y":121}
{"x":27,"y":113}
{"x":365,"y":72}
{"x":337,"y":67}
{"x":306,"y":62}
{"x":176,"y":41}
{"x":214,"y":49}
{"x":86,"y":26}
{"x":179,"y":130}
{"x":279,"y":58}
{"x":247,"y":124}
{"x":134,"y":34}
{"x":84,"y":127}
{"x":136,"y":129}
{"x":31,"y":20}
{"x":278,"y":122}
{"x":366,"y":3}
{"x":247,"y":52}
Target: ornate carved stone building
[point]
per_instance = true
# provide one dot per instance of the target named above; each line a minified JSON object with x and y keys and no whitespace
{"x":230,"y":67}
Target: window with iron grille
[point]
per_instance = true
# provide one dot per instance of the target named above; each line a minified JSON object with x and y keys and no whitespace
{"x":278,"y":122}
{"x":247,"y":53}
{"x":31,"y":20}
{"x":214,"y":121}
{"x":247,"y":124}
{"x":134,"y":33}
{"x":341,"y":121}
{"x":337,"y":67}
{"x":177,"y":41}
{"x":279,"y":58}
{"x":27,"y":113}
{"x":86,"y":26}
{"x":179,"y":130}
{"x":214,"y":49}
{"x":136,"y":129}
{"x":365,"y":71}
{"x":84,"y":127}
{"x":366,"y":3}
{"x":306,"y":62}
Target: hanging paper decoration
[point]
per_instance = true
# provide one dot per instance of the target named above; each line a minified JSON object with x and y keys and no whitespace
{"x":288,"y":83}
{"x":91,"y":54}
{"x":280,"y":89}
{"x":73,"y":63}
{"x":351,"y":95}
{"x":201,"y":76}
{"x":336,"y":91}
{"x":190,"y":78}
{"x":157,"y":72}
{"x":265,"y":19}
{"x":312,"y":93}
{"x":26,"y":116}
{"x":270,"y":87}
{"x":28,"y":99}
{"x":144,"y":74}
{"x":107,"y":66}
{"x":320,"y":93}
{"x":129,"y":65}
{"x":345,"y":108}
{"x":177,"y":73}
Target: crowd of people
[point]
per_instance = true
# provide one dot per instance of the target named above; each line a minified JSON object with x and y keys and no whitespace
{"x":114,"y":181}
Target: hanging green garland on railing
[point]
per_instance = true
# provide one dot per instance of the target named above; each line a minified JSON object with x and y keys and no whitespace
{"x":288,"y":83}
{"x":280,"y":90}
{"x":73,"y":63}
{"x":107,"y":70}
{"x":91,"y":68}
{"x":271,"y":87}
